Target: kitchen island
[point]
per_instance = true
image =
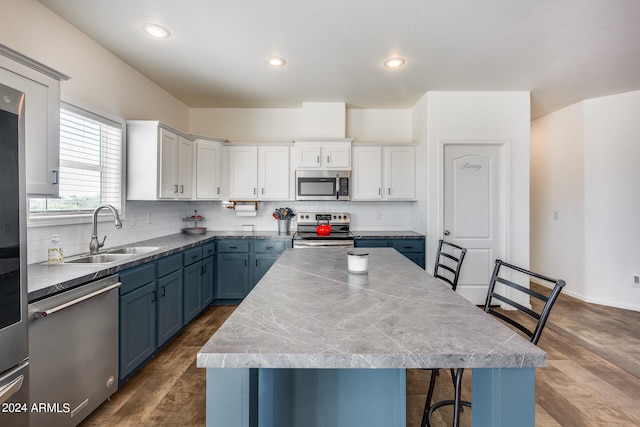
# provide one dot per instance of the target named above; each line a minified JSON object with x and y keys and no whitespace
{"x":314,"y":345}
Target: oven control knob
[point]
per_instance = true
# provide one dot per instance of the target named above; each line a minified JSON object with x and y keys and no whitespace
{"x":334,"y":217}
{"x":339,"y":216}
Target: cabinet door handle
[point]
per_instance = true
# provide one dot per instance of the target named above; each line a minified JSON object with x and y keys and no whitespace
{"x":254,"y":190}
{"x":55,"y":177}
{"x":262,"y":190}
{"x":162,"y":292}
{"x":182,"y":188}
{"x":233,"y":247}
{"x":379,"y":192}
{"x":245,"y":262}
{"x":153,"y":296}
{"x":269,"y":247}
{"x":256,"y":263}
{"x":218,"y":190}
{"x":328,"y":159}
{"x":175,"y":188}
{"x":389,"y":190}
{"x":318,"y":161}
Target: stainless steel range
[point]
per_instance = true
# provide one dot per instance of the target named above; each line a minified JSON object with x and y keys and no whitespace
{"x":323,"y":230}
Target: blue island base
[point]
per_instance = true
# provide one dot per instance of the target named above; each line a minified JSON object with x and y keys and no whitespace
{"x":353,"y":397}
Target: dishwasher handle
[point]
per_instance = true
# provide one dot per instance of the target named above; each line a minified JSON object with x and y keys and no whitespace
{"x":43,"y":314}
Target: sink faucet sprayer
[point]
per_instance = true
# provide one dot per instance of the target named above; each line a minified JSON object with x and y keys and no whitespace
{"x":95,"y":245}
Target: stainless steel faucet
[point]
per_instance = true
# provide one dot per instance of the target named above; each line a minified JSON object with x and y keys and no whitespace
{"x":95,"y":245}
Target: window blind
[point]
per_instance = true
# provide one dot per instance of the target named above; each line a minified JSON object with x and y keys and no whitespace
{"x":90,"y":163}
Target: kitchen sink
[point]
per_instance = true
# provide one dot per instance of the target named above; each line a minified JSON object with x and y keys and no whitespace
{"x":133,"y":250}
{"x":105,"y":258}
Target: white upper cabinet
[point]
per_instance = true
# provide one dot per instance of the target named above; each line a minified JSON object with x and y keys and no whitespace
{"x":243,"y":172}
{"x":207,"y":170}
{"x":258,"y":172}
{"x":383,"y":173}
{"x":274,"y":173}
{"x":41,"y":86}
{"x":399,"y":173}
{"x":159,"y":162}
{"x":323,"y":155}
{"x":367,"y":173}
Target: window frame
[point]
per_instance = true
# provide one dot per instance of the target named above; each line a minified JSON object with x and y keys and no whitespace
{"x":47,"y":219}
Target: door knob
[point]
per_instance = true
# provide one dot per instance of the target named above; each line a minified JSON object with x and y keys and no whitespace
{"x":446,"y":232}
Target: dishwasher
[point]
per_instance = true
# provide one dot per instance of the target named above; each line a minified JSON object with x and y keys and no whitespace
{"x":73,"y":350}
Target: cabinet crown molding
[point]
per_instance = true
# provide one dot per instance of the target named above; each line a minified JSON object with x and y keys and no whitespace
{"x":32,"y":63}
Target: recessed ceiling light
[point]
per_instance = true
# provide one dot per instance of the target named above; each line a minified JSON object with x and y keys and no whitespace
{"x":276,"y":61}
{"x":394,"y":62}
{"x":155,"y":30}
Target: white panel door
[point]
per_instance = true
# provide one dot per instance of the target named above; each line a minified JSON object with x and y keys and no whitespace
{"x":273,"y":173}
{"x":473,"y":214}
{"x":367,"y":173}
{"x":243,"y":173}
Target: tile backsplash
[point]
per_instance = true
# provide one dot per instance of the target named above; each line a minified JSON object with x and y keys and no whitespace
{"x":147,"y":220}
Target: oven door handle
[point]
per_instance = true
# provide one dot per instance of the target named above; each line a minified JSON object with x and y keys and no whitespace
{"x":323,"y":243}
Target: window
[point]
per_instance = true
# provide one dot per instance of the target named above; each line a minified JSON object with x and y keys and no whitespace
{"x":90,"y":165}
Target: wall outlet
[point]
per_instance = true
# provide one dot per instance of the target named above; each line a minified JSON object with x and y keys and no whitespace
{"x":636,"y":281}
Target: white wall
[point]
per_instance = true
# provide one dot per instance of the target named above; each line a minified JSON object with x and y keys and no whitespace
{"x":99,"y":80}
{"x":285,"y":124}
{"x":612,"y":199}
{"x":557,"y":198}
{"x":104,"y":84}
{"x":481,"y":116}
{"x":589,"y":174}
{"x":419,"y":131}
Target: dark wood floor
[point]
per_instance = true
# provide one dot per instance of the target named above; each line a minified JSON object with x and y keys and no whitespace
{"x":592,"y":376}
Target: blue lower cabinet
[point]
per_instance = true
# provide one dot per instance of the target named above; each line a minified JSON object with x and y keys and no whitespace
{"x":414,"y":249}
{"x":208,"y":276}
{"x":169,"y":306}
{"x":240,"y":264}
{"x":261,"y":264}
{"x":232,"y":275}
{"x":138,"y":305}
{"x":192,"y":291}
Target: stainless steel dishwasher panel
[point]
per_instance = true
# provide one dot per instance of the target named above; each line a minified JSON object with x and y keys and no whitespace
{"x":73,"y":347}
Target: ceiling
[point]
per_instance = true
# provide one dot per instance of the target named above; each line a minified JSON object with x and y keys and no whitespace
{"x":563,"y":51}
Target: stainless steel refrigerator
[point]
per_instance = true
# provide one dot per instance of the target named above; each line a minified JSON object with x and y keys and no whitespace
{"x":14,"y":352}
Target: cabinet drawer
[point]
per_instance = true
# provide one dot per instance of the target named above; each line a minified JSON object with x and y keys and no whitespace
{"x":270,"y":246}
{"x":233,"y":246}
{"x":408,"y":245}
{"x":137,"y":277}
{"x":192,"y":255}
{"x":169,"y":264}
{"x":208,"y":249}
{"x":371,"y":243}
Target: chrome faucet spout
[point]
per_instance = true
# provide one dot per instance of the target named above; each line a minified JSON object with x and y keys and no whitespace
{"x":95,"y":244}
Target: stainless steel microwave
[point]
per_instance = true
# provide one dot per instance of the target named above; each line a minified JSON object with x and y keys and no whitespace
{"x":323,"y":185}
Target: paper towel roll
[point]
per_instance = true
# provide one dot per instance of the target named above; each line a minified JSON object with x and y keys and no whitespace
{"x":247,"y":209}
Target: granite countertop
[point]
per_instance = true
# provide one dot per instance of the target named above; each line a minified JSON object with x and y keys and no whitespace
{"x":44,"y":279}
{"x":309,"y":312}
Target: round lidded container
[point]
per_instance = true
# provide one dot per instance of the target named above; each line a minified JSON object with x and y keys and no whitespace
{"x":358,"y":262}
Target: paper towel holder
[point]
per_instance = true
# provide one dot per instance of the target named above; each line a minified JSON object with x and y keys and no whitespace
{"x":235,"y":202}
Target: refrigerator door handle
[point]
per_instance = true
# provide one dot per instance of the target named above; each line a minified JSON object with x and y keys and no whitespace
{"x":14,"y":386}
